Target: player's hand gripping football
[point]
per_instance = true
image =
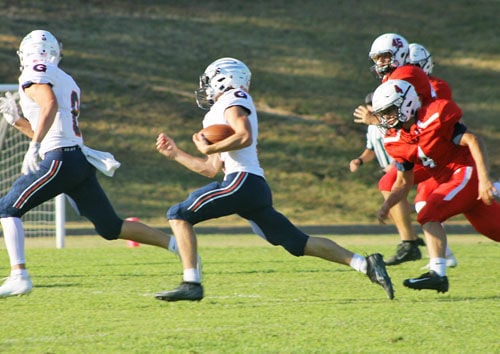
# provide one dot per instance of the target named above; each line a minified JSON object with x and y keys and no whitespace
{"x":31,"y":162}
{"x":8,"y":107}
{"x":202,"y":144}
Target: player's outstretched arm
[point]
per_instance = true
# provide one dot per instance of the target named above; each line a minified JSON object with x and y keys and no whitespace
{"x":400,"y":189}
{"x":207,"y":166}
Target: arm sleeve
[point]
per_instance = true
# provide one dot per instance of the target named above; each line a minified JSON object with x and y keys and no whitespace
{"x":404,"y":166}
{"x":458,"y":132}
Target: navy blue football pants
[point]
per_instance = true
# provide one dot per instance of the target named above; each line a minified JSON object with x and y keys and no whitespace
{"x":248,"y":196}
{"x":64,"y":170}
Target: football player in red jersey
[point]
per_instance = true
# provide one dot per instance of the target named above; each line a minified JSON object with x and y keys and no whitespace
{"x":389,"y":53}
{"x":433,"y":136}
{"x":420,"y":56}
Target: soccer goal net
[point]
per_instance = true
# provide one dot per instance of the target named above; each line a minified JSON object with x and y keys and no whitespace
{"x":45,"y":220}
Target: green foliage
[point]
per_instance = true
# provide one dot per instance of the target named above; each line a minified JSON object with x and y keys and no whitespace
{"x":97,"y":297}
{"x":138,"y":62}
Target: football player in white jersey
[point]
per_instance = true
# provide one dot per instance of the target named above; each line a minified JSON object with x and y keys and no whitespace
{"x":374,"y":145}
{"x":54,"y":162}
{"x":224,"y":90}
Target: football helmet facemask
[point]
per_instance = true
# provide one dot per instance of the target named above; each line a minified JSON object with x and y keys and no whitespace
{"x":39,"y":46}
{"x":395,"y":102}
{"x":389,"y":43}
{"x":420,"y":57}
{"x":220,"y":76}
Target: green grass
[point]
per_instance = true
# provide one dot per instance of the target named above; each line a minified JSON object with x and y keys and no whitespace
{"x":138,"y":64}
{"x":97,"y":297}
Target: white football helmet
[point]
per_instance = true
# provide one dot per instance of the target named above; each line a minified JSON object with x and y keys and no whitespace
{"x":391,"y":43}
{"x":221,"y":75}
{"x":39,"y":46}
{"x":392,"y":95}
{"x":421,"y":57}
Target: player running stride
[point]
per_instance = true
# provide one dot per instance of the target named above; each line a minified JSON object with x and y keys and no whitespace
{"x":224,"y":90}
{"x":55,"y":162}
{"x":433,"y":136}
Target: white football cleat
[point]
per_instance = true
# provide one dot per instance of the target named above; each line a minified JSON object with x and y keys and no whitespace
{"x":16,"y":285}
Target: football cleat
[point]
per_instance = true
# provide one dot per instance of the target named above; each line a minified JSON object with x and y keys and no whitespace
{"x":430,"y":280}
{"x":377,"y":273}
{"x":405,"y":252}
{"x":16,"y":285}
{"x":185,"y":291}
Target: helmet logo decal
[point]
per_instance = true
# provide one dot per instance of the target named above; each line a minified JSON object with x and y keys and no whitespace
{"x":398,"y":89}
{"x":40,"y":67}
{"x":397,"y":42}
{"x":240,"y":94}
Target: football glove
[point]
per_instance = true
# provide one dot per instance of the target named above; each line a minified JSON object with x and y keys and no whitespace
{"x":8,"y":107}
{"x":31,"y":162}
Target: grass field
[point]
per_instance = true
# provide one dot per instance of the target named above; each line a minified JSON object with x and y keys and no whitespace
{"x":97,"y":297}
{"x":137,"y":63}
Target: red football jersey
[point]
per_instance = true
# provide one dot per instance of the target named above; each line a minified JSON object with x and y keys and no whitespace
{"x":429,"y":141}
{"x":441,"y":88}
{"x":415,"y":76}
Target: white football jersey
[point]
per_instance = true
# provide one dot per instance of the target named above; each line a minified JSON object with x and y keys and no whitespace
{"x":65,"y":130}
{"x":375,"y":142}
{"x":245,"y":159}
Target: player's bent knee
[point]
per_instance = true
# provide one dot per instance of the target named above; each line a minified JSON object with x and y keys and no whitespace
{"x":295,"y":247}
{"x":109,"y":231}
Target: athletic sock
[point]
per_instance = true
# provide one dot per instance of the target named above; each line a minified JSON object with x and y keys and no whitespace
{"x":438,"y":265}
{"x":359,"y":263}
{"x":192,"y":275}
{"x":13,"y":232}
{"x":19,"y":272}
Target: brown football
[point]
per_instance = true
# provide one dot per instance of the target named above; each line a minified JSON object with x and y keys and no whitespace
{"x":217,"y":132}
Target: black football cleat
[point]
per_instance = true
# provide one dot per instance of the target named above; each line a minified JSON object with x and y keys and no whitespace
{"x":429,"y":280}
{"x":377,"y":273}
{"x":406,"y":251}
{"x":186,"y":291}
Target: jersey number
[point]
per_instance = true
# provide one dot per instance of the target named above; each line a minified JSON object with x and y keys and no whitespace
{"x":426,"y":161}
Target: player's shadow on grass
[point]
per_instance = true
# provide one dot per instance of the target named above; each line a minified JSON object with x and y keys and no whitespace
{"x":60,"y":285}
{"x":452,"y":298}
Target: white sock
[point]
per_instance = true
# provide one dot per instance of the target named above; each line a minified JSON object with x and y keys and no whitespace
{"x":13,"y":233}
{"x":359,"y":263}
{"x":192,"y":275}
{"x":172,"y":245}
{"x":438,"y":265}
{"x":19,"y":272}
